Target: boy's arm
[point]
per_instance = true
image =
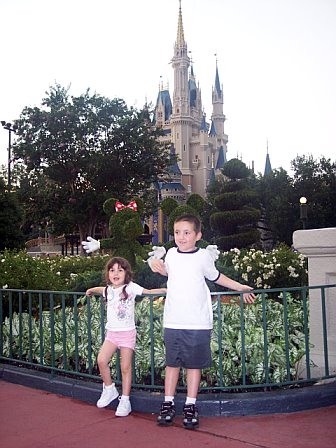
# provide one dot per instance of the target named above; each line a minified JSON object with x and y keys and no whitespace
{"x":227,"y":282}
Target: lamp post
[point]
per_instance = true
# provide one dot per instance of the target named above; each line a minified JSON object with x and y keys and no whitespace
{"x":303,"y":211}
{"x":10,"y":128}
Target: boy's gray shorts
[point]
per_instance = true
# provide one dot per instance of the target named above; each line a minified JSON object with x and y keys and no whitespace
{"x":187,"y":348}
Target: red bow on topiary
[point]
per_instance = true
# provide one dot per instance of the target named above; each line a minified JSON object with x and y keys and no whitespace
{"x":132,"y":205}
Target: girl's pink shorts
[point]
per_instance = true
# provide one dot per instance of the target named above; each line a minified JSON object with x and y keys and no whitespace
{"x":122,"y":338}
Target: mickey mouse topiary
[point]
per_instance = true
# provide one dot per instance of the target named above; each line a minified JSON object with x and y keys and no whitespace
{"x":125,"y":227}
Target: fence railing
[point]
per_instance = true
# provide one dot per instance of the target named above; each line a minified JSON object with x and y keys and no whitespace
{"x":261,"y":345}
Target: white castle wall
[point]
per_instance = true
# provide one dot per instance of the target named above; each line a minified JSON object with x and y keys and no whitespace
{"x":319,"y":245}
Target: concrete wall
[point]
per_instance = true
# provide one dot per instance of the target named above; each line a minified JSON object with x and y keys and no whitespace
{"x":319,"y":245}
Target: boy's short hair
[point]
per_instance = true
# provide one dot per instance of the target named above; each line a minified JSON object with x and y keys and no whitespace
{"x":193,"y":219}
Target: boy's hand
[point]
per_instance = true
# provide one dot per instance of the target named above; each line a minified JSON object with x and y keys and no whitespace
{"x":91,"y":245}
{"x":248,"y":297}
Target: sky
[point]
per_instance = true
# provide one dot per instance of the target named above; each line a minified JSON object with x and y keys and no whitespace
{"x":276,"y":61}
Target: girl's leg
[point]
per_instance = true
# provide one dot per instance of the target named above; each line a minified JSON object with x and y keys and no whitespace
{"x":104,"y":356}
{"x":126,"y":356}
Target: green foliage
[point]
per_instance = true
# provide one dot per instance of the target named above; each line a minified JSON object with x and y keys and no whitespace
{"x":245,"y":238}
{"x":236,"y":210}
{"x":11,"y":219}
{"x":179,"y":211}
{"x":236,"y":169}
{"x":196,"y":202}
{"x":230,"y":352}
{"x":125,"y":227}
{"x":280,"y":195}
{"x":18,"y":270}
{"x":168,"y":205}
{"x":77,"y":152}
{"x":280,"y":268}
{"x":22,"y":340}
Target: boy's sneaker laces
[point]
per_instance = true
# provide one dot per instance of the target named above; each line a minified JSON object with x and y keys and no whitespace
{"x":167,"y":413}
{"x":190,"y":416}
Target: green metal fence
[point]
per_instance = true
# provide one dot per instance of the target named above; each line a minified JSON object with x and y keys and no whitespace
{"x":261,"y":345}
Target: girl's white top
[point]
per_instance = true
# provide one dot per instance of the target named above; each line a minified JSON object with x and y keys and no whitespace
{"x":120,"y":312}
{"x":188,"y":301}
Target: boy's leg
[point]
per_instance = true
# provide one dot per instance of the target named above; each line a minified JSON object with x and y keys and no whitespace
{"x":171,"y":379}
{"x":190,"y":411}
{"x":167,"y":412}
{"x":193,"y":382}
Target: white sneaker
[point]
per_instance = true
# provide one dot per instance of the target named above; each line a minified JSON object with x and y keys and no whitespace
{"x":108,"y":395}
{"x":124,"y":408}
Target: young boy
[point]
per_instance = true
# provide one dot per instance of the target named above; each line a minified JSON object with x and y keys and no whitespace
{"x":187,"y":318}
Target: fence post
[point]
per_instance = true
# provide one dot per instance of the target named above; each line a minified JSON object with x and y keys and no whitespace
{"x":319,"y":245}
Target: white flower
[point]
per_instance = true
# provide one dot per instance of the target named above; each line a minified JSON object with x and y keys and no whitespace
{"x":58,"y":273}
{"x":259,"y":282}
{"x":5,"y":286}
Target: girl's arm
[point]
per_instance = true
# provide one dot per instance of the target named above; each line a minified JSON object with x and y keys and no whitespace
{"x":158,"y":266}
{"x":98,"y":290}
{"x":155,"y":291}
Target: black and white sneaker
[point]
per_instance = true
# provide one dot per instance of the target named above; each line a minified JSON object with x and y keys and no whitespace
{"x":167,"y":414}
{"x":190,"y":416}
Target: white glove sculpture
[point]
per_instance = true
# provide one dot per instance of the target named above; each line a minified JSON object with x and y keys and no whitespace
{"x":91,"y":245}
{"x":213,"y":251}
{"x":157,"y":253}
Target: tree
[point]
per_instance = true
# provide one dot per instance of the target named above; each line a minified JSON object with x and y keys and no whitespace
{"x":280,"y":195}
{"x":280,"y":212}
{"x":235,"y":220}
{"x":11,"y":218}
{"x":83,"y":150}
{"x":316,"y":180}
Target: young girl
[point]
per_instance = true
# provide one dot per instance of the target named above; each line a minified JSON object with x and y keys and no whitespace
{"x":120,"y":296}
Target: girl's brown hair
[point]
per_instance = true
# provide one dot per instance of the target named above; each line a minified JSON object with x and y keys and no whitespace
{"x":124,"y":264}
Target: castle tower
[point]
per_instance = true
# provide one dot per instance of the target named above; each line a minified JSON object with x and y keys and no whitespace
{"x":199,"y":146}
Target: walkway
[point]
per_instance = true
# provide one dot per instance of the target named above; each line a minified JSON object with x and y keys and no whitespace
{"x":31,"y":418}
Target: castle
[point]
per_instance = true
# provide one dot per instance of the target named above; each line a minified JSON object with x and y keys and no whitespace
{"x":200,"y":146}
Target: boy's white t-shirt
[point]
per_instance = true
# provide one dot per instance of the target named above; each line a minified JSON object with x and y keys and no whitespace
{"x":120,"y":312}
{"x":188,"y":301}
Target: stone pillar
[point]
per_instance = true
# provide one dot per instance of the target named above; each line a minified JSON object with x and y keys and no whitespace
{"x":319,"y":245}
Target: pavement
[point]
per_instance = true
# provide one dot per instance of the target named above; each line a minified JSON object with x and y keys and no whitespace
{"x":36,"y":418}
